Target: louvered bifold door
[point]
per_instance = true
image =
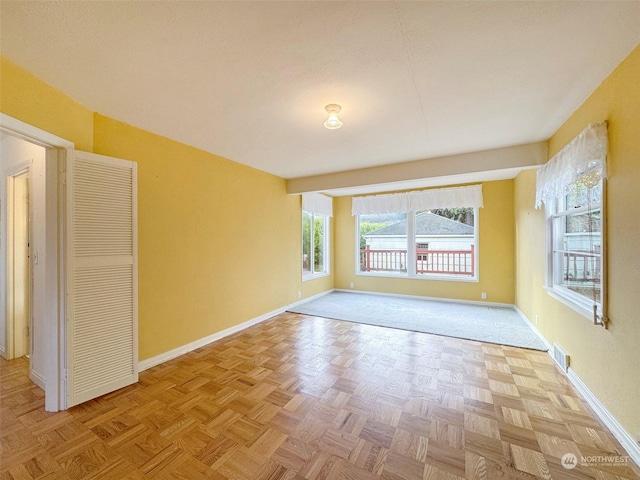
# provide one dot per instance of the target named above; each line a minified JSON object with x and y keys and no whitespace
{"x":102,"y":307}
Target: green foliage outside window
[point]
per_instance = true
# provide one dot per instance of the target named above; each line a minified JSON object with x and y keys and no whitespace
{"x":318,"y":242}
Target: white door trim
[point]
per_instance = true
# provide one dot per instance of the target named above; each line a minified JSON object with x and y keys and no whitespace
{"x":58,"y":150}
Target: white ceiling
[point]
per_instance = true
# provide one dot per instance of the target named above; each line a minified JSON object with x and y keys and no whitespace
{"x":249,"y":80}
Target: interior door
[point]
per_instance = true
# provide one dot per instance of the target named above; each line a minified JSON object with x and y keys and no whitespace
{"x":102,"y":264}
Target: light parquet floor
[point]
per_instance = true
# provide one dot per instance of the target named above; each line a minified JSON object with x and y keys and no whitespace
{"x":301,"y":397}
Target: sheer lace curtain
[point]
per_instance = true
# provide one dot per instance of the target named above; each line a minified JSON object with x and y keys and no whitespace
{"x":420,"y":200}
{"x":585,"y":157}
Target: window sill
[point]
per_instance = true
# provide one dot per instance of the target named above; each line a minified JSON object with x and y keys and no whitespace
{"x":432,"y":277}
{"x":314,"y":276}
{"x":584,"y":308}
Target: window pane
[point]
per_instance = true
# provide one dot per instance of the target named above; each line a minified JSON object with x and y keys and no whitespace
{"x":581,"y":224}
{"x":581,"y":196}
{"x":314,"y":243}
{"x":318,"y":243}
{"x":581,"y":266}
{"x":306,"y":243}
{"x":445,"y":240}
{"x":383,"y":242}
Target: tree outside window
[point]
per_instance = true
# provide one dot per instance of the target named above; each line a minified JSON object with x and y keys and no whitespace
{"x":314,"y":244}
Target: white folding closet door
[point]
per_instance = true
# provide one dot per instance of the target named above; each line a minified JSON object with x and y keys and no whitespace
{"x":102,"y":290}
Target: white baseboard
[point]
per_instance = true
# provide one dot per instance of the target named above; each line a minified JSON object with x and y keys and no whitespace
{"x":189,"y":347}
{"x":626,"y":440}
{"x":434,"y":299}
{"x":535,"y":330}
{"x":308,"y":299}
{"x":38,"y":379}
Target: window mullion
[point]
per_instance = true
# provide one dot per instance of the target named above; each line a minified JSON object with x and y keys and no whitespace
{"x":411,"y":244}
{"x":576,"y":211}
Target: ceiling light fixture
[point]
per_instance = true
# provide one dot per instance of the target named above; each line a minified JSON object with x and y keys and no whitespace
{"x":333,"y":121}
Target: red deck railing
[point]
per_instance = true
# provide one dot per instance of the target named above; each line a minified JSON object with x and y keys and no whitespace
{"x":446,"y":262}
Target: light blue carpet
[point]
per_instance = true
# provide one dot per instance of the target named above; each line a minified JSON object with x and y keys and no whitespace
{"x":474,"y":322}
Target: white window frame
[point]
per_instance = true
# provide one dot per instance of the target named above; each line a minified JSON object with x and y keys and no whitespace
{"x":325,"y":247}
{"x":579,"y":303}
{"x":411,"y":254}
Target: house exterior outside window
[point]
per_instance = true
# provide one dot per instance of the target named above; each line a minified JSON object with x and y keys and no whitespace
{"x":421,"y":244}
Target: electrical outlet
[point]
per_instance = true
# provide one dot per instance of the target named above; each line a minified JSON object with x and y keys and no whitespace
{"x":299,"y":294}
{"x":351,"y":285}
{"x":484,"y":295}
{"x":536,"y":319}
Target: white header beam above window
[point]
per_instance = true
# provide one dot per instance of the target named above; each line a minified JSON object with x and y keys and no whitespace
{"x":454,"y":197}
{"x":317,"y":203}
{"x":585,"y":155}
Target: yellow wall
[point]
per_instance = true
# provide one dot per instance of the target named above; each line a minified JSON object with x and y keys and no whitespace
{"x":219,"y":242}
{"x":27,"y":98}
{"x":606,"y":360}
{"x":495,"y":246}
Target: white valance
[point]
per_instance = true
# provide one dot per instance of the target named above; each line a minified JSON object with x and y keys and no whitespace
{"x":454,"y":197}
{"x":317,"y":203}
{"x":388,"y":203}
{"x":584,"y":155}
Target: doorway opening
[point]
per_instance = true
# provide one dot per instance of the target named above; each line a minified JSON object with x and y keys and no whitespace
{"x":33,"y":160}
{"x":22,"y":201}
{"x":19,"y":279}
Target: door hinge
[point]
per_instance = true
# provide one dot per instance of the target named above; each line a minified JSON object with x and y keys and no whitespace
{"x":65,"y":374}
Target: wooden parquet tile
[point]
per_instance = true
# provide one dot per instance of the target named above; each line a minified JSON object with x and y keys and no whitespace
{"x":306,"y":398}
